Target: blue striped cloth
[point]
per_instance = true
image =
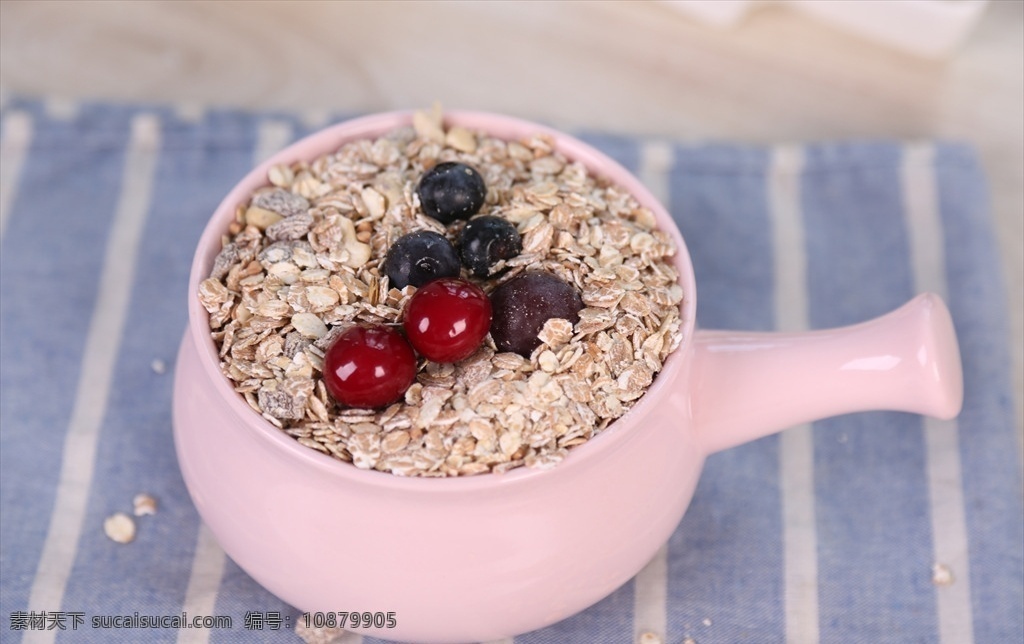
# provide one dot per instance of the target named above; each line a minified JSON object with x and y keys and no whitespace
{"x":832,"y":533}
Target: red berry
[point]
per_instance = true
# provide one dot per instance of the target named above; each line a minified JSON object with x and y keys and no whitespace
{"x":447,"y":319}
{"x":369,"y":366}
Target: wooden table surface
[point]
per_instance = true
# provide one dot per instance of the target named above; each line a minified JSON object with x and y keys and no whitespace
{"x":633,"y":67}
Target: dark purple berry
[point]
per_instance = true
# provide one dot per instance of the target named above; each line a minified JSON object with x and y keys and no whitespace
{"x":451,"y":191}
{"x":420,"y":257}
{"x":523,"y":304}
{"x":485,"y":240}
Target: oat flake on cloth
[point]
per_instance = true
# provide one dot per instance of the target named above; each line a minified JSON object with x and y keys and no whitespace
{"x":874,"y":527}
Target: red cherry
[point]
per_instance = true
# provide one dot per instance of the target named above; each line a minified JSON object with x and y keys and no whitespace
{"x":447,"y":319}
{"x":369,"y":366}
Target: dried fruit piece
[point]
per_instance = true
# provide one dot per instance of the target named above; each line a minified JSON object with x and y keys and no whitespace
{"x":283,"y":202}
{"x":290,"y":229}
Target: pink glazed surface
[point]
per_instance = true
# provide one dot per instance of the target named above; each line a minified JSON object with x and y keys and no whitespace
{"x":485,"y":557}
{"x":466,"y":559}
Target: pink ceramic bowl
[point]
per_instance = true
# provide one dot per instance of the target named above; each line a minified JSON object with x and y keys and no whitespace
{"x":489,"y":556}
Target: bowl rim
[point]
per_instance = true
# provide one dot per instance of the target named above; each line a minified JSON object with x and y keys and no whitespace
{"x":326,"y":140}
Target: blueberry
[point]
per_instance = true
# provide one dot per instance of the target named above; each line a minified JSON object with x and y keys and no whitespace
{"x":451,"y":191}
{"x":485,"y":240}
{"x":522,"y":305}
{"x":420,"y":257}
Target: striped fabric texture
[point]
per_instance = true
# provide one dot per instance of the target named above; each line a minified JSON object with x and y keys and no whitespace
{"x":829,"y":532}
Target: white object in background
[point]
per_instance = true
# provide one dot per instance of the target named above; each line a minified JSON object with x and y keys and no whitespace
{"x":720,"y":13}
{"x":929,"y":28}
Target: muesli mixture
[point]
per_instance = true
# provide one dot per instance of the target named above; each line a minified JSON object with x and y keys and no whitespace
{"x":311,"y":262}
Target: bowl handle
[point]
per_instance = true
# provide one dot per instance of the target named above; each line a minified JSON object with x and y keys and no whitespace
{"x":748,"y":385}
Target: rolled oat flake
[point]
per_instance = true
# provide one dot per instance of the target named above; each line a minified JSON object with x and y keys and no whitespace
{"x":120,"y":527}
